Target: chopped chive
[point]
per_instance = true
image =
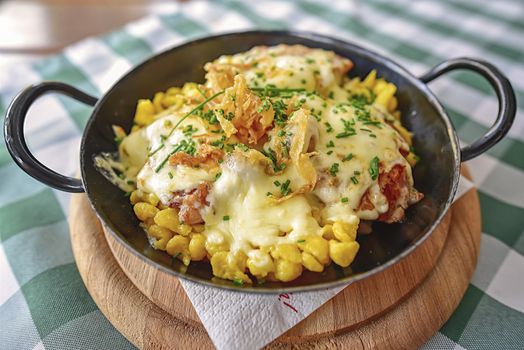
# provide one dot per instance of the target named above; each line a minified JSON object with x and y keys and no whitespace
{"x":156,"y":150}
{"x":170,"y":175}
{"x":218,"y":175}
{"x":330,"y":144}
{"x":334,"y":169}
{"x":301,"y":241}
{"x":343,"y":135}
{"x":226,"y":218}
{"x":344,"y":199}
{"x":238,"y":282}
{"x":329,"y":152}
{"x":194,"y":110}
{"x":329,"y":128}
{"x":161,"y":165}
{"x":284,"y":188}
{"x":130,"y":182}
{"x":348,"y":157}
{"x":277,"y":183}
{"x":269,"y":194}
{"x":374,"y":168}
{"x":354,"y":180}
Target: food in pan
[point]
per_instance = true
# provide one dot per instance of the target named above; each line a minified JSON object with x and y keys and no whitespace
{"x":269,"y":167}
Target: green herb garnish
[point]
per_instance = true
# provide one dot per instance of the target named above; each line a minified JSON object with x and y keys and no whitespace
{"x":201,"y":105}
{"x":348,"y":157}
{"x":334,"y":169}
{"x":284,"y":188}
{"x":238,"y":282}
{"x":373,"y":168}
{"x":344,"y":199}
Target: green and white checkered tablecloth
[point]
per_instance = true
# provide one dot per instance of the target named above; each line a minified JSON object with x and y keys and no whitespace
{"x":43,"y":302}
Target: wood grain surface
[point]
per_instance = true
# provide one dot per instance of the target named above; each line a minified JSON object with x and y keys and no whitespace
{"x":409,"y":324}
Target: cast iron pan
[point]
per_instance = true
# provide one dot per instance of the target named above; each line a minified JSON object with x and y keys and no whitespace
{"x":435,"y":139}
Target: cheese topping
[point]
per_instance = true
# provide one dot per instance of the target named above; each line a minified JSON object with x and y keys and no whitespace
{"x":277,"y":144}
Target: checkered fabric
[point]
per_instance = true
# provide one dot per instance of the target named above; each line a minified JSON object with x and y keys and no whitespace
{"x":43,"y":302}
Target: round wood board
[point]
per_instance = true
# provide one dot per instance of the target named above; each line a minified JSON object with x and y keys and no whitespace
{"x":407,"y":304}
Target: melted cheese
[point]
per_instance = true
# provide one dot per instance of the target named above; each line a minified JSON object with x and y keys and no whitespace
{"x":254,"y":219}
{"x":240,"y":211}
{"x":136,"y":151}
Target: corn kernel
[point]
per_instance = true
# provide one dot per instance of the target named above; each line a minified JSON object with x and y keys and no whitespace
{"x":311,"y":263}
{"x":286,"y":270}
{"x":343,"y":253}
{"x":168,"y":218}
{"x":370,"y":80}
{"x":152,"y":199}
{"x":385,"y":95}
{"x":224,"y":265}
{"x":327,"y":232}
{"x":198,"y":228}
{"x":144,"y":211}
{"x":197,"y":247}
{"x":406,"y":135}
{"x":169,"y":101}
{"x":260,"y":264}
{"x":135,"y":197}
{"x":346,"y":231}
{"x":157,"y":102}
{"x":183,"y":230}
{"x":173,"y":91}
{"x":145,"y":111}
{"x":380,"y":85}
{"x":179,"y":246}
{"x":162,"y":235}
{"x":393,"y":104}
{"x":317,"y":247}
{"x":288,"y":252}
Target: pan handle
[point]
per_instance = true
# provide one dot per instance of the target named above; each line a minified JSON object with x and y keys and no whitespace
{"x":15,"y":138}
{"x":505,"y":96}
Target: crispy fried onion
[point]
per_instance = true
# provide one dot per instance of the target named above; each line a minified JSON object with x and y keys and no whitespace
{"x":298,"y":137}
{"x":250,"y":121}
{"x":207,"y":157}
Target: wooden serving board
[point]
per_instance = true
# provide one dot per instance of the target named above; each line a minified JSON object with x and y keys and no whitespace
{"x":400,"y":307}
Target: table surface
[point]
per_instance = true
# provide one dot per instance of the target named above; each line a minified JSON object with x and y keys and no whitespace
{"x":41,"y":27}
{"x":41,"y":294}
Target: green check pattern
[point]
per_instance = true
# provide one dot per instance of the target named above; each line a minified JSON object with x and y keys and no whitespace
{"x":43,"y":302}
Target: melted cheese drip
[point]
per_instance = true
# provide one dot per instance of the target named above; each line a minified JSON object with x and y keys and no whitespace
{"x":254,"y":218}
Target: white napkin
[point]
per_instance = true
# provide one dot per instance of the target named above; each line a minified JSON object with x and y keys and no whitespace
{"x":236,"y":320}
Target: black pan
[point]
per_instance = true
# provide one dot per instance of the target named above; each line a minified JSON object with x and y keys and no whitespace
{"x":436,"y":141}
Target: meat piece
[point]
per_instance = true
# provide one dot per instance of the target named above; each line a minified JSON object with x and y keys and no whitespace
{"x":189,"y":204}
{"x":395,"y":187}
